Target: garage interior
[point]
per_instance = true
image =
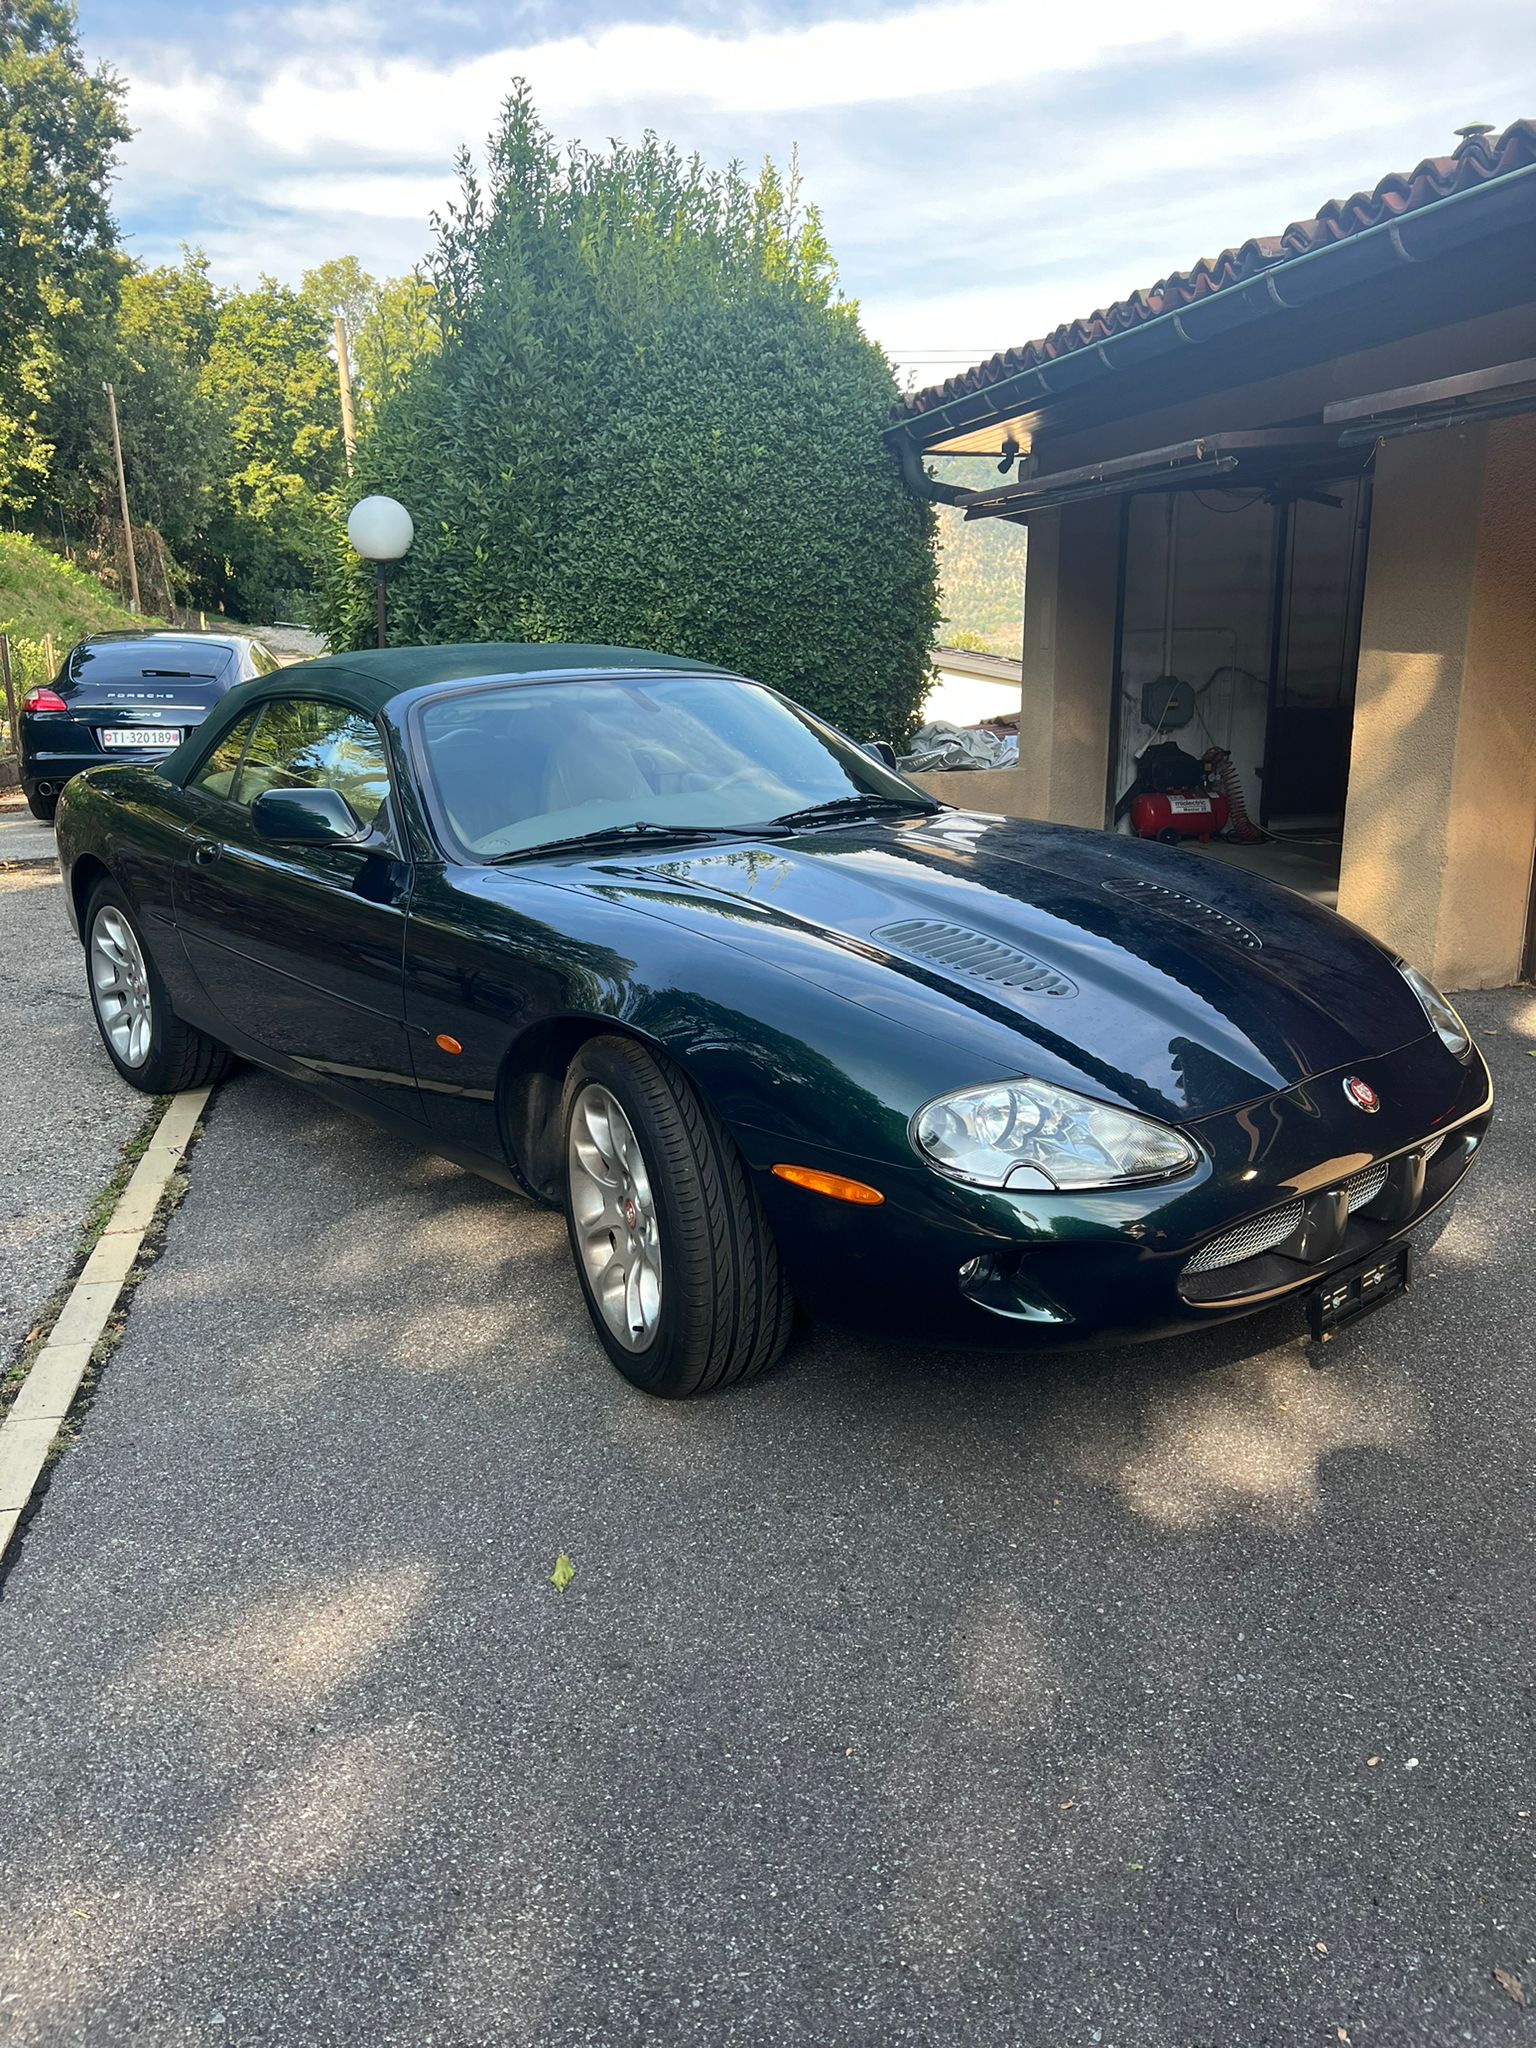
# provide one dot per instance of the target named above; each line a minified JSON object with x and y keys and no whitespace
{"x":1279,"y":505}
{"x":1252,"y":600}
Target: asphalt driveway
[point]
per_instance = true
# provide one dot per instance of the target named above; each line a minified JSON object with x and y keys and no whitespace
{"x":1157,"y":1700}
{"x":64,"y":1114}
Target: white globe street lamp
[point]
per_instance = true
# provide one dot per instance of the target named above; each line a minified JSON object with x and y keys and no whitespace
{"x":381,"y":530}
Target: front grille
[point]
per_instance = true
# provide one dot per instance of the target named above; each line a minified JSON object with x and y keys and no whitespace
{"x":975,"y":956}
{"x":1258,"y":1234}
{"x":1253,"y":1260}
{"x":1263,"y":1233}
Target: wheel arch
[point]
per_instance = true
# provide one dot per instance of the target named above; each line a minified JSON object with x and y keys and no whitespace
{"x":529,"y":1087}
{"x":88,"y":871}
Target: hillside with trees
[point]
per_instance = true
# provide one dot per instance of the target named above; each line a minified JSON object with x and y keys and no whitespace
{"x":981,"y":570}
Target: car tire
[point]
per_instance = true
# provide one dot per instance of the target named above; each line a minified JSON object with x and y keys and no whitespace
{"x":146,"y":1041}
{"x":675,"y":1257}
{"x":42,"y":806}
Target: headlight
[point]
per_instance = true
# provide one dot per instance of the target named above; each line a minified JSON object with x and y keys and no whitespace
{"x":1450,"y":1030}
{"x":1027,"y":1134}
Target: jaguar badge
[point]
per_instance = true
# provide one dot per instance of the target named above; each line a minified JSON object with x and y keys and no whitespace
{"x":1362,"y":1094}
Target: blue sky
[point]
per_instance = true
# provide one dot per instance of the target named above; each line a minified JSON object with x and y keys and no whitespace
{"x":986,"y":167}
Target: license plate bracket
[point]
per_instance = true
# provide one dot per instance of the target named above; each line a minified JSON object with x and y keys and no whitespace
{"x":1344,"y":1297}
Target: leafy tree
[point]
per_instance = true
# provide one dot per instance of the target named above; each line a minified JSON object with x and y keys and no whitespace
{"x":60,"y":126}
{"x":389,"y":324}
{"x":269,"y":376}
{"x":177,"y":447}
{"x":397,"y":330}
{"x":174,"y":450}
{"x":653,"y":420}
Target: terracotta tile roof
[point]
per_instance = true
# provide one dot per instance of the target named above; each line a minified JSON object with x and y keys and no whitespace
{"x":1481,"y":156}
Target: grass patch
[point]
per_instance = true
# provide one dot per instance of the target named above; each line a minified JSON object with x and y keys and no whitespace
{"x":42,"y":595}
{"x":104,"y":1201}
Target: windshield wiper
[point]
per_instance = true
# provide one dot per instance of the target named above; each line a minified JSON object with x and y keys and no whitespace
{"x":853,"y":807}
{"x":640,"y":831}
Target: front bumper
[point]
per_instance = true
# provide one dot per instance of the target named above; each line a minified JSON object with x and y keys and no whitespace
{"x":1123,"y":1265}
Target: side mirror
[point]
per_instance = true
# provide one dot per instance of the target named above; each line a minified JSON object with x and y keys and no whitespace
{"x":881,"y":751}
{"x":304,"y":817}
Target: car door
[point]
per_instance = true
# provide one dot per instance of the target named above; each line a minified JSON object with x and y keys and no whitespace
{"x":300,"y":948}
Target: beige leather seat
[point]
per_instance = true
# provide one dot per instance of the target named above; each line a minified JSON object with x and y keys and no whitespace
{"x":587,"y":768}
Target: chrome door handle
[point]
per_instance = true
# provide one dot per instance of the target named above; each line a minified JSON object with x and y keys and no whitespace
{"x":205,"y":850}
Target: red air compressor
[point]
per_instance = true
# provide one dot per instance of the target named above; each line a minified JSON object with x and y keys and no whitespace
{"x":1175,"y":814}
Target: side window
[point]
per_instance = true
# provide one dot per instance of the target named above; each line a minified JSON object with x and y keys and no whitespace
{"x":217,"y":775}
{"x":263,"y":662}
{"x":302,"y":743}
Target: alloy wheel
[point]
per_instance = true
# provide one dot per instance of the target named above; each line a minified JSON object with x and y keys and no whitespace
{"x":120,"y":987}
{"x":617,"y":1227}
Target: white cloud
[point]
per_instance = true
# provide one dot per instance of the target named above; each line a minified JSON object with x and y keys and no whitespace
{"x":987,"y":168}
{"x":393,"y":105}
{"x":375,"y":195}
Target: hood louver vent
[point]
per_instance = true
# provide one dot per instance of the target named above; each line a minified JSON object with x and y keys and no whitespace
{"x":973,"y":956}
{"x":1188,"y":907}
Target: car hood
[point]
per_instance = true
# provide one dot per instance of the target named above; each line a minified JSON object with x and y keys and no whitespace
{"x":1165,"y":979}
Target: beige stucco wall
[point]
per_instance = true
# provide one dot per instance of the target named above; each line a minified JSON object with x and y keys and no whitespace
{"x":1069,"y":655}
{"x":1441,"y":821}
{"x":1010,"y":792}
{"x":1069,"y":660}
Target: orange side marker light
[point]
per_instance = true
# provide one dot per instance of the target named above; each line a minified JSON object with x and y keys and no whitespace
{"x":836,"y":1185}
{"x":446,"y":1044}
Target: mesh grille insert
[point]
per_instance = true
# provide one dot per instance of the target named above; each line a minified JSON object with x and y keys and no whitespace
{"x":1263,"y":1233}
{"x":1365,"y":1187}
{"x":1258,"y":1234}
{"x":974,"y":956}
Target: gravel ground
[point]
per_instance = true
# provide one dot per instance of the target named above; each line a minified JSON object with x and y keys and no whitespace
{"x":64,"y":1112}
{"x":1171,"y":1699}
{"x":290,"y":643}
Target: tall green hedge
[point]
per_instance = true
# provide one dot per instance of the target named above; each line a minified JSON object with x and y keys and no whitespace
{"x":652,"y":422}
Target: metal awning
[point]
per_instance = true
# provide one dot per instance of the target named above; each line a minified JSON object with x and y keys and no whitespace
{"x":1280,"y":459}
{"x":1491,"y":394}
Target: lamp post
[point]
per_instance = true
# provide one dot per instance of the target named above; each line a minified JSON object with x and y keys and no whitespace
{"x":381,"y":530}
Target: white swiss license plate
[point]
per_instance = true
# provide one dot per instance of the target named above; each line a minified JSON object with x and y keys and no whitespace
{"x":141,"y":736}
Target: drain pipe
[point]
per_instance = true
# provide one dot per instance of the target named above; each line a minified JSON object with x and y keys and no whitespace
{"x":921,"y":484}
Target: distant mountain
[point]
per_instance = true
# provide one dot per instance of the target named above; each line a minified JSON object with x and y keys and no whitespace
{"x":981,"y":570}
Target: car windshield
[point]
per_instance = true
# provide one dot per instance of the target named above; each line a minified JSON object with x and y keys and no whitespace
{"x":519,"y":766}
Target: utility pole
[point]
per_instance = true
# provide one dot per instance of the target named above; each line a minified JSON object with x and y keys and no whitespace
{"x":122,"y":496}
{"x":344,"y":374}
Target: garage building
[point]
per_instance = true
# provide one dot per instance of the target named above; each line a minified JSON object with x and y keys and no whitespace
{"x":1301,"y":481}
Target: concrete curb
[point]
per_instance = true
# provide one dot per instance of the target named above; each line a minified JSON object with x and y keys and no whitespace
{"x":34,"y":1417}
